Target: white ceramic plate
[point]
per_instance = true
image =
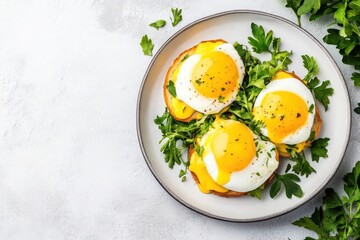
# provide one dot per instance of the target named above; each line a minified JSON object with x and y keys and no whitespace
{"x":235,"y":26}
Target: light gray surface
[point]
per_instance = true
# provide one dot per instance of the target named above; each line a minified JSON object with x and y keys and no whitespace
{"x":70,"y":164}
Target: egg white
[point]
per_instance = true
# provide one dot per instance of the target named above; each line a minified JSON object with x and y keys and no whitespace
{"x":252,"y":176}
{"x":297,"y":87}
{"x":186,"y":92}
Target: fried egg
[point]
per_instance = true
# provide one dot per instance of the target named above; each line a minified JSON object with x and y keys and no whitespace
{"x":287,"y":109}
{"x":232,"y":158}
{"x":209,"y":79}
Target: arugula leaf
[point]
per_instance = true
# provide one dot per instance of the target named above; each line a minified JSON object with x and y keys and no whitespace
{"x":318,"y":149}
{"x":158,"y":24}
{"x":177,"y":17}
{"x":174,"y":131}
{"x":339,"y":217}
{"x":146,"y":45}
{"x":260,"y":41}
{"x":287,"y":180}
{"x":257,"y":192}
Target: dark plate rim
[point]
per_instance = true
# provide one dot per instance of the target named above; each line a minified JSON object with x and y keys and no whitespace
{"x":138,"y":125}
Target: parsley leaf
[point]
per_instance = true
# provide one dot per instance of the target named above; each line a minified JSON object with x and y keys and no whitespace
{"x":346,"y":35}
{"x":289,"y":181}
{"x":318,"y":148}
{"x":260,"y":41}
{"x":323,"y":92}
{"x":177,"y":17}
{"x":311,"y":65}
{"x":338,"y":217}
{"x":356,"y":78}
{"x":357,"y":109}
{"x":301,"y":166}
{"x":158,"y":24}
{"x":146,"y":45}
{"x":309,"y":5}
{"x":294,"y":5}
{"x":171,"y":88}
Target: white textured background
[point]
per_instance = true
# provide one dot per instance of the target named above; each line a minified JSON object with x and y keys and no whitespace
{"x":70,"y":164}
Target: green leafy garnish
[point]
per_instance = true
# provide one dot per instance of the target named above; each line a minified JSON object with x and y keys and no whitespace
{"x":311,"y":108}
{"x":322,"y":92}
{"x":357,"y":109}
{"x":289,"y":182}
{"x":345,"y":36}
{"x":310,"y":64}
{"x":175,"y":132}
{"x":257,"y":192}
{"x":177,"y":17}
{"x":146,"y":45}
{"x":185,"y":57}
{"x":158,"y":24}
{"x":339,"y":217}
{"x":260,"y":41}
{"x":171,"y":88}
{"x":302,"y":165}
{"x":318,"y":148}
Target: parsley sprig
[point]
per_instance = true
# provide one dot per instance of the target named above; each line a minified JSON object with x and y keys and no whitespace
{"x":322,"y":91}
{"x":176,"y":16}
{"x":339,"y":217}
{"x":346,"y":33}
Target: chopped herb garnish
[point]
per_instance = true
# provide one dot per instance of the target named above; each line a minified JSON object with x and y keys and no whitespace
{"x":221,"y":99}
{"x":198,"y":81}
{"x":171,"y":88}
{"x":158,"y":24}
{"x":146,"y":45}
{"x":176,"y":16}
{"x":311,"y":108}
{"x":185,"y":57}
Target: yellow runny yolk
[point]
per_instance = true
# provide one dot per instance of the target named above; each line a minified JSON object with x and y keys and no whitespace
{"x":283,"y":113}
{"x":233,"y":147}
{"x":215,"y":75}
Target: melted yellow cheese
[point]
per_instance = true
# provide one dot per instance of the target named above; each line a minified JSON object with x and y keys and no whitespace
{"x":206,"y":183}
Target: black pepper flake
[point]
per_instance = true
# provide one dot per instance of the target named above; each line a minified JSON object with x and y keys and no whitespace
{"x":298,"y":115}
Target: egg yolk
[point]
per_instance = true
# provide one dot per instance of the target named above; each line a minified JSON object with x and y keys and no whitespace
{"x":233,"y":147}
{"x":283,"y":113}
{"x":215,"y":75}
